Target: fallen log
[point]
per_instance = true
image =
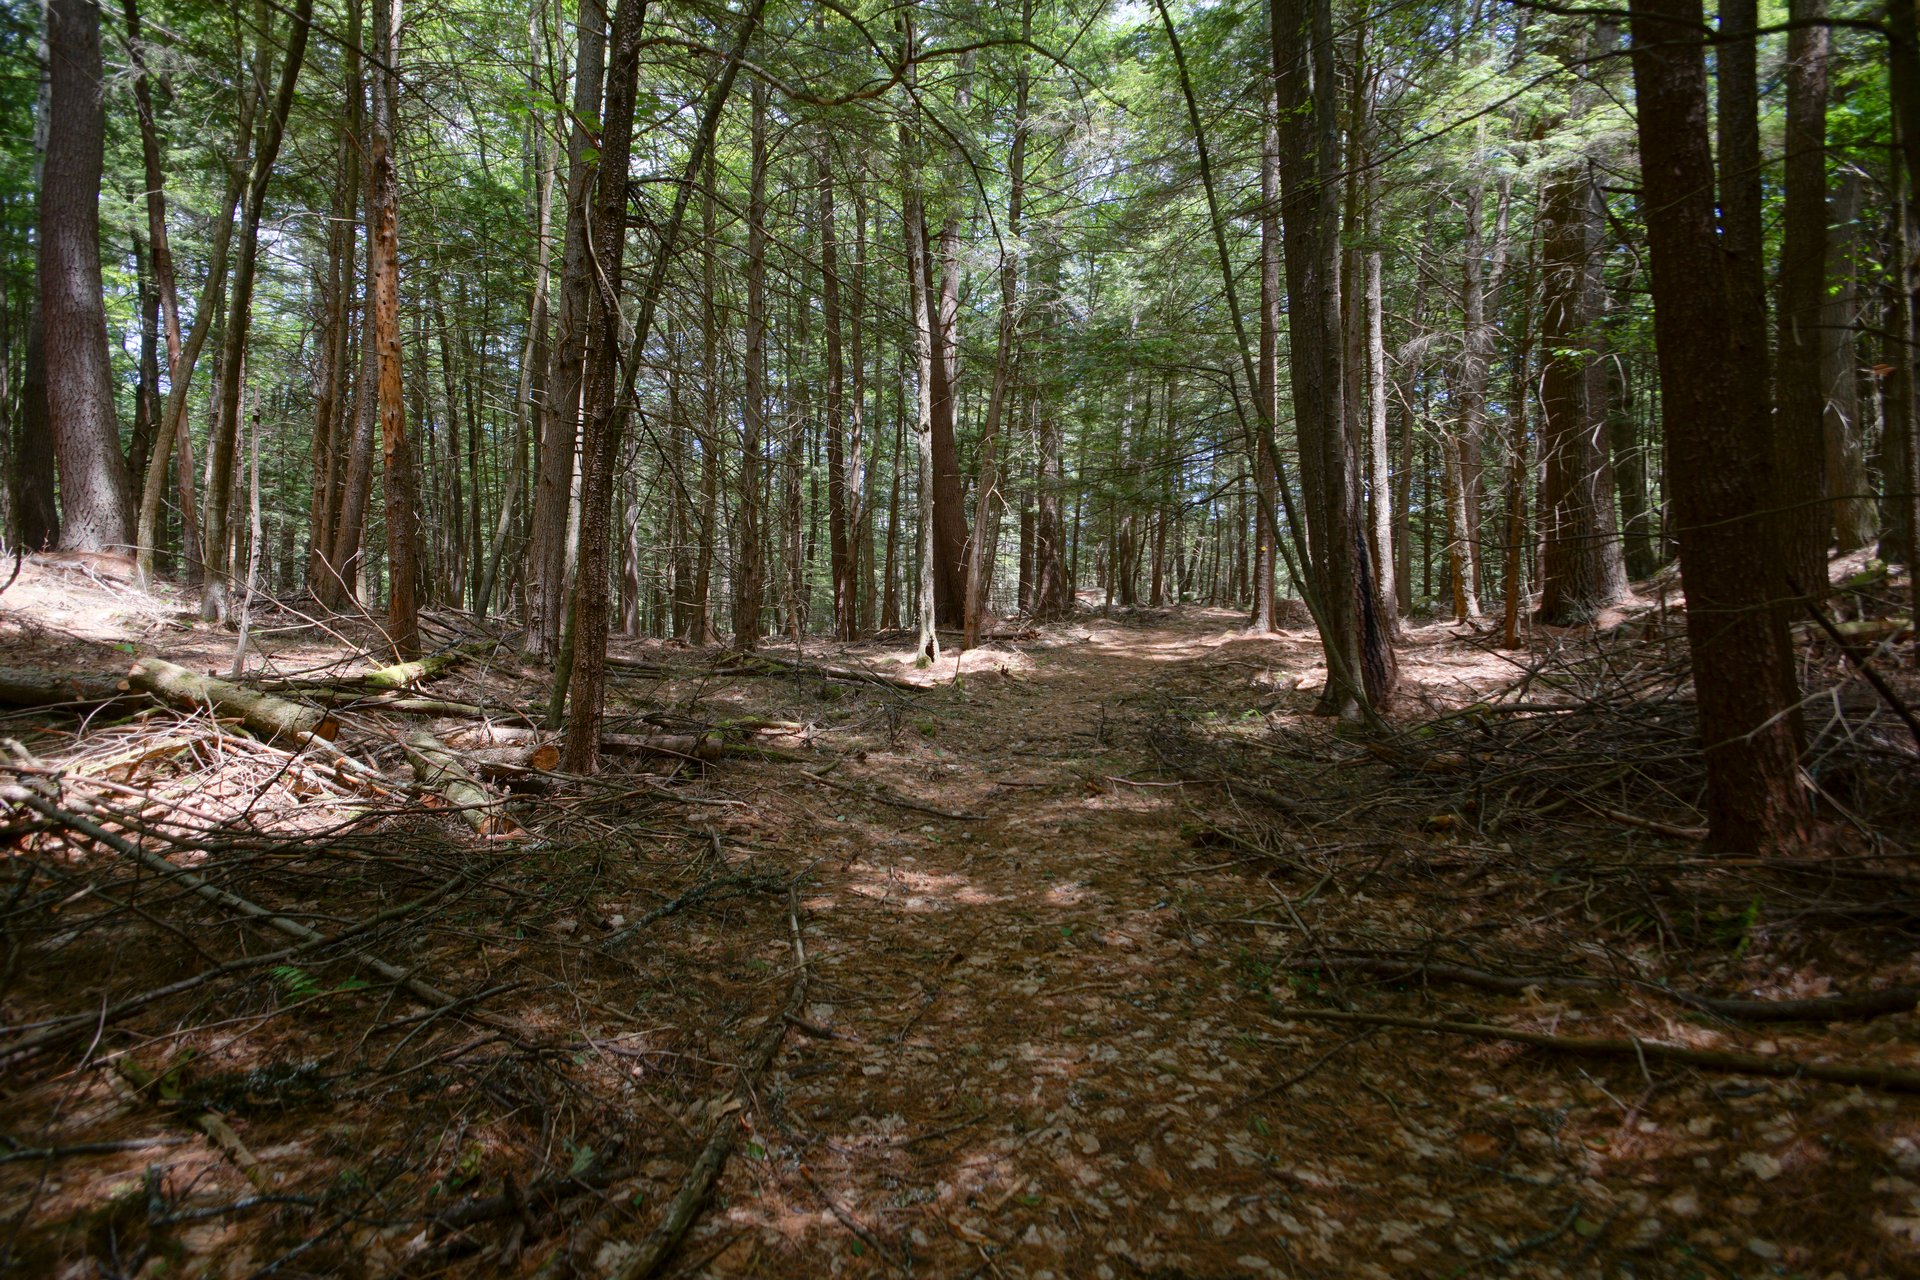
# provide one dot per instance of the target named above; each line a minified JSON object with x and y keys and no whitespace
{"x":704,"y":747}
{"x":32,"y":687}
{"x":494,"y":763}
{"x":857,"y":675}
{"x":481,"y":739}
{"x":440,"y":771}
{"x":406,"y":675}
{"x":260,"y":712}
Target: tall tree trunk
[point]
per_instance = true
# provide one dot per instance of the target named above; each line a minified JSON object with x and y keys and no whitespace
{"x":1900,"y":530}
{"x":1266,"y":540}
{"x":560,"y":420}
{"x":840,"y":555}
{"x":889,"y":573}
{"x":383,"y":279}
{"x":96,"y":496}
{"x":531,"y":396}
{"x":331,"y":439}
{"x":749,"y":574}
{"x":146,"y":391}
{"x":984,"y":550}
{"x":1464,"y":438}
{"x":1845,"y":433}
{"x":32,"y":484}
{"x":949,"y":485}
{"x":214,"y":591}
{"x":607,"y":402}
{"x":1630,"y":474}
{"x":356,"y":485}
{"x":710,"y":403}
{"x":859,"y":478}
{"x":1799,"y":453}
{"x":1361,"y":671}
{"x":1717,"y":456}
{"x":1584,"y":569}
{"x":173,"y":438}
{"x":926,"y":370}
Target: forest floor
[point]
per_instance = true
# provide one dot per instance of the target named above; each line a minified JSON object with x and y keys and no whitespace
{"x":1053,"y":955}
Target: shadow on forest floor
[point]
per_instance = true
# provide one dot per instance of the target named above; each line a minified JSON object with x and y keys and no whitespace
{"x":1094,"y":920}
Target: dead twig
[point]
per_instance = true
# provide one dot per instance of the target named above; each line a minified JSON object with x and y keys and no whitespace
{"x":1892,"y":1079}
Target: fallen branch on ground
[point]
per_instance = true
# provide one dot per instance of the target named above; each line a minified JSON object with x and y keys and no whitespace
{"x":825,"y":671}
{"x":310,"y":939}
{"x":1894,"y":1079}
{"x":888,"y":798}
{"x":698,"y":1184}
{"x":1859,"y":1006}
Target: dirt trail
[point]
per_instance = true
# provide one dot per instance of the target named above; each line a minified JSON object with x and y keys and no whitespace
{"x":1053,"y":1020}
{"x":1048,"y":1035}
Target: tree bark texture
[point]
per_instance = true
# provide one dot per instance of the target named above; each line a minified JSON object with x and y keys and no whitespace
{"x":96,"y":495}
{"x":1717,"y":460}
{"x":1799,"y":451}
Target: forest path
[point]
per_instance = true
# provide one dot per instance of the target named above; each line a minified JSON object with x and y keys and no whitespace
{"x":1046,"y":1024}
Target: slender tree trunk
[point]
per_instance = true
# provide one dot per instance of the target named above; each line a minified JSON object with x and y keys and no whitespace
{"x":927,"y":639}
{"x":1360,"y":663}
{"x":1845,"y":433}
{"x":215,"y":589}
{"x":560,"y":422}
{"x":586,"y":652}
{"x":356,"y":485}
{"x":984,"y":551}
{"x":1799,"y":454}
{"x":330,"y":380}
{"x":174,"y":438}
{"x":710,"y":402}
{"x":842,"y":500}
{"x":531,"y":396}
{"x":859,"y":478}
{"x":1630,"y":473}
{"x":383,"y":279}
{"x":146,"y":393}
{"x":749,"y":575}
{"x":1717,"y":459}
{"x":96,"y":496}
{"x":1266,"y":550}
{"x":890,"y":570}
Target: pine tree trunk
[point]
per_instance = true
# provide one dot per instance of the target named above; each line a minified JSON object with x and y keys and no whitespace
{"x":926,"y":370}
{"x":749,"y":574}
{"x":96,"y":495}
{"x":1584,"y":569}
{"x":1268,"y":372}
{"x":553,"y":486}
{"x":984,"y":551}
{"x":710,"y":402}
{"x":32,"y":484}
{"x":1361,"y":667}
{"x":1845,"y":433}
{"x":1717,"y":460}
{"x":1799,"y":452}
{"x":383,"y":272}
{"x":215,"y":590}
